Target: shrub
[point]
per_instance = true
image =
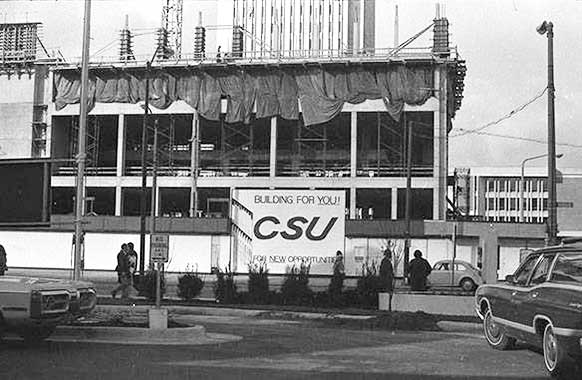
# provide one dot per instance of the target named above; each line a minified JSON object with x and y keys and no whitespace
{"x":189,"y":285}
{"x":295,"y":289}
{"x":225,"y":288}
{"x":147,"y":285}
{"x":258,"y":284}
{"x":368,"y":286}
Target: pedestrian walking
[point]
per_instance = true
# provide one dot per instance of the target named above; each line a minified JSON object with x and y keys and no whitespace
{"x":123,"y":275}
{"x":337,"y":280}
{"x":3,"y":259}
{"x":338,"y":264}
{"x":419,"y":269}
{"x":387,"y":276}
{"x":132,"y":259}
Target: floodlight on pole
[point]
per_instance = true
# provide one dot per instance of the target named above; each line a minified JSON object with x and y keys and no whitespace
{"x":522,"y":181}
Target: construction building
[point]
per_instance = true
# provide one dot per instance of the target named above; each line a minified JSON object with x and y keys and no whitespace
{"x":303,"y":99}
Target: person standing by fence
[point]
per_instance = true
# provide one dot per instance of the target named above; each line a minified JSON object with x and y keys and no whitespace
{"x":387,"y":276}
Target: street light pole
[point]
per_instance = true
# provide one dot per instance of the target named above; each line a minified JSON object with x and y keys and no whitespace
{"x":548,"y":28}
{"x":81,"y":154}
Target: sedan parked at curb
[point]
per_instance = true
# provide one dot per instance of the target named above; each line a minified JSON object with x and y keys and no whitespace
{"x":541,"y":303}
{"x":464,"y":275}
{"x":33,"y":307}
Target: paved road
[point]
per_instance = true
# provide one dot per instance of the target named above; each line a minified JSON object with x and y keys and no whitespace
{"x":277,"y":350}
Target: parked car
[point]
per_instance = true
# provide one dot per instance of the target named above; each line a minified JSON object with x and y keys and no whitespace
{"x":465,"y":275}
{"x":541,"y":303}
{"x":33,"y":307}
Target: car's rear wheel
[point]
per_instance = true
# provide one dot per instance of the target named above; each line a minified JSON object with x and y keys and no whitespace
{"x":467,"y":284}
{"x":494,"y":333}
{"x":557,"y":362}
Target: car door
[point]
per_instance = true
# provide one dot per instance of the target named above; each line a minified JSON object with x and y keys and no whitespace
{"x":502,"y":303}
{"x":460,"y":272}
{"x":440,"y":275}
{"x":526,"y":299}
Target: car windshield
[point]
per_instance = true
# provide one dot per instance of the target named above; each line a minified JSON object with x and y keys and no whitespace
{"x":568,"y":268}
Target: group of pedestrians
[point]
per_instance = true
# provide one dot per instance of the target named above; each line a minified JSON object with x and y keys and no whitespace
{"x":126,"y":268}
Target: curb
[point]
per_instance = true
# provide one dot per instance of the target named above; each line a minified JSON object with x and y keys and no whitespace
{"x":196,"y":335}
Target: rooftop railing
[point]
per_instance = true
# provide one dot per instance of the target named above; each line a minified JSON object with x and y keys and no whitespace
{"x":271,"y":57}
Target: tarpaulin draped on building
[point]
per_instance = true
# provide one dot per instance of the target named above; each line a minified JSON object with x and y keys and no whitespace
{"x":321,"y":91}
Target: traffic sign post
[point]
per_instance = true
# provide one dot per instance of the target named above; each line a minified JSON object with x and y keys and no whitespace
{"x":159,"y":244}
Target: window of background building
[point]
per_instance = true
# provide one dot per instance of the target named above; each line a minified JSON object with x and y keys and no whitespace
{"x":100,"y":200}
{"x":101,"y":144}
{"x":210,"y":147}
{"x":321,"y":150}
{"x":421,"y":204}
{"x":214,"y":202}
{"x":490,"y":185}
{"x":236,"y":149}
{"x":373,"y":203}
{"x":173,"y":149}
{"x":131,"y":201}
{"x":382,"y":147}
{"x":491,"y":203}
{"x":174,"y":202}
{"x":63,"y":200}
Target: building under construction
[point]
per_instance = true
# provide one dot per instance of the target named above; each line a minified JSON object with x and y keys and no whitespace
{"x":302,"y":99}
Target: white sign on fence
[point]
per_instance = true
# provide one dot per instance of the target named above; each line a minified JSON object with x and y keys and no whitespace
{"x":159,"y":246}
{"x":291,"y":227}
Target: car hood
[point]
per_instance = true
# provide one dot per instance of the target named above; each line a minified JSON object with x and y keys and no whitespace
{"x":23,"y":283}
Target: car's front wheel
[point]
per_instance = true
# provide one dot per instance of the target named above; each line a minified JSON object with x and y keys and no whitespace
{"x":557,"y":362}
{"x":495,"y":335}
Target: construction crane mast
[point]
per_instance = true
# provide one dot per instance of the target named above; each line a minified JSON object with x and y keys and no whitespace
{"x":172,"y":23}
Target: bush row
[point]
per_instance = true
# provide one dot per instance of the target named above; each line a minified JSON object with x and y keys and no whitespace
{"x":295,"y":289}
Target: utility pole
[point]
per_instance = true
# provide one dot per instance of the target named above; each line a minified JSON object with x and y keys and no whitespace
{"x":81,"y":154}
{"x":408,"y":125}
{"x":144,"y":134}
{"x":548,"y":28}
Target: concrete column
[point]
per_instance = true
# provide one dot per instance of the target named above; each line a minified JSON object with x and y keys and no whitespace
{"x":273,"y":148}
{"x":120,"y":162}
{"x":488,"y":241}
{"x":353,"y":161}
{"x":394,"y":204}
{"x":353,"y":24}
{"x":440,"y":165}
{"x":369,"y":26}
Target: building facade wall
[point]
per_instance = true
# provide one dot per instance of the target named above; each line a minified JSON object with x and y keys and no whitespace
{"x":16,"y":105}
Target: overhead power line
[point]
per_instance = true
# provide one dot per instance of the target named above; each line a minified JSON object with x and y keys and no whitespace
{"x":515,"y":111}
{"x":539,"y":141}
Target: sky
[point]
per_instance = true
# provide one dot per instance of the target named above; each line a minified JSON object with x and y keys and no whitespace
{"x":506,"y":61}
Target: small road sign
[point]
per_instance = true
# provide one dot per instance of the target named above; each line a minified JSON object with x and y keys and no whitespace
{"x":565,"y":204}
{"x":159,"y":244}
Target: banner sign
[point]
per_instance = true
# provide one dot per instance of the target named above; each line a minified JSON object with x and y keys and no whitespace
{"x":294,"y":227}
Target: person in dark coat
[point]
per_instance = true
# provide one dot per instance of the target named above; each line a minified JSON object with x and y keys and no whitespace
{"x":419,"y":269}
{"x":387,"y":276}
{"x":123,"y":274}
{"x":3,"y":267}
